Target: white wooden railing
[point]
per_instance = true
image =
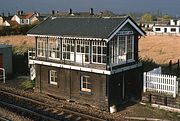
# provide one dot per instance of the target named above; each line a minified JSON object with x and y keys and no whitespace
{"x":160,"y":83}
{"x":3,"y":76}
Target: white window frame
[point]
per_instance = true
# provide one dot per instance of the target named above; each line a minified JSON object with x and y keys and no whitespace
{"x":53,"y":49}
{"x":53,"y":77}
{"x":116,"y":57}
{"x":65,"y":43}
{"x":82,"y":52}
{"x":41,"y":47}
{"x":102,"y":45}
{"x":87,"y":81}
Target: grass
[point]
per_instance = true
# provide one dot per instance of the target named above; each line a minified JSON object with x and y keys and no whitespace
{"x":27,"y":84}
{"x":161,"y":49}
{"x":147,"y":111}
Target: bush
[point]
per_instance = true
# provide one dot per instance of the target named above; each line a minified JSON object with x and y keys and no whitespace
{"x":27,"y":84}
{"x":15,"y":30}
{"x":148,"y":64}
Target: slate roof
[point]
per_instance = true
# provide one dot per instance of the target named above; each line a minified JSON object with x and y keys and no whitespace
{"x":78,"y":27}
{"x":13,"y":23}
{"x":26,"y":15}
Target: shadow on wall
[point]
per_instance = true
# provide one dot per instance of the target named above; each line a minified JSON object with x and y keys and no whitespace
{"x":20,"y":64}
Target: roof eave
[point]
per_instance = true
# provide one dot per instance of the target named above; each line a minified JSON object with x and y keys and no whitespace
{"x":130,"y":21}
{"x":69,"y":37}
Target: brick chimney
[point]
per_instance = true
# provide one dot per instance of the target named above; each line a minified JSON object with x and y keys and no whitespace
{"x":91,"y":11}
{"x":70,"y":11}
{"x":21,"y":12}
{"x":53,"y":12}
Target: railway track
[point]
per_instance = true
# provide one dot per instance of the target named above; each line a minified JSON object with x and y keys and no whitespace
{"x":41,"y":110}
{"x":4,"y":119}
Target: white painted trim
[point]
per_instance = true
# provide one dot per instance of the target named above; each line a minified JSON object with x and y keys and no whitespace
{"x":126,"y":68}
{"x":99,"y":71}
{"x":70,"y":67}
{"x":127,"y":21}
{"x":67,"y":37}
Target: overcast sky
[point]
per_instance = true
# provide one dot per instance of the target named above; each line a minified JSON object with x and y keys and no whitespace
{"x":117,"y":6}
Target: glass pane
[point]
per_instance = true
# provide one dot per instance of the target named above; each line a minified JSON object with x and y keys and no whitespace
{"x":104,"y":50}
{"x":94,"y":49}
{"x":87,"y":49}
{"x":68,"y":47}
{"x":99,"y":58}
{"x":86,"y":58}
{"x":82,"y":49}
{"x":99,"y":50}
{"x":68,"y":55}
{"x":78,"y":48}
{"x":104,"y":59}
{"x":64,"y":55}
{"x":64,"y":47}
{"x":94,"y":58}
{"x":52,"y":79}
{"x":84,"y":85}
{"x":72,"y":48}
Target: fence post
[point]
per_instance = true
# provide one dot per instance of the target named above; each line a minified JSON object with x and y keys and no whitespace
{"x":170,"y":64}
{"x":144,"y":82}
{"x":178,"y":64}
{"x":174,"y":94}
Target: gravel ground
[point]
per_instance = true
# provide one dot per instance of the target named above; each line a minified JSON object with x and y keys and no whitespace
{"x":12,"y":115}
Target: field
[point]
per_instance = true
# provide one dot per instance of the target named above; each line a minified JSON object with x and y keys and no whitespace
{"x":161,"y":49}
{"x":20,"y":43}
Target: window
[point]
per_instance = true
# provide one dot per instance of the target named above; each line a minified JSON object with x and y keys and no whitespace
{"x":173,"y":29}
{"x":122,"y":49}
{"x":85,"y":84}
{"x":41,"y":44}
{"x":22,"y":20}
{"x":158,"y":29}
{"x":54,"y":51}
{"x":83,"y":51}
{"x":99,"y":52}
{"x":53,"y":77}
{"x":68,"y":49}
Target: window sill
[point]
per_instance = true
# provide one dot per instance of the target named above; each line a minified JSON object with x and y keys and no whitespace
{"x":122,"y":63}
{"x":85,"y":93}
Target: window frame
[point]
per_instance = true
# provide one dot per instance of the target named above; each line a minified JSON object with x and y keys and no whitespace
{"x":157,"y":29}
{"x":66,"y":51}
{"x":173,"y":29}
{"x":55,"y":48}
{"x":87,"y":82}
{"x":116,"y":56}
{"x":41,"y":47}
{"x":99,"y":53}
{"x":81,"y":50}
{"x":53,"y":76}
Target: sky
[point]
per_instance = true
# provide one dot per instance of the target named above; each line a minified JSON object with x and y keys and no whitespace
{"x":171,"y":7}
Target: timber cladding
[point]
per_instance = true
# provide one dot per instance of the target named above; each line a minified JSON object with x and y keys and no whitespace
{"x":69,"y":85}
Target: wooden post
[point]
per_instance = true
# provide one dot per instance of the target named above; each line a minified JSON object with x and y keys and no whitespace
{"x":178,"y":64}
{"x":165,"y":100}
{"x":150,"y":96}
{"x":174,"y":94}
{"x":170,"y":64}
{"x":144,"y":82}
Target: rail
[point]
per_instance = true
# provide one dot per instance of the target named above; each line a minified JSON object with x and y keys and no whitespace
{"x":4,"y":119}
{"x":43,"y":110}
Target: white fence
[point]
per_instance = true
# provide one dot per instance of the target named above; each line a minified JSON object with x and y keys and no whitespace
{"x":160,"y":83}
{"x":2,"y":76}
